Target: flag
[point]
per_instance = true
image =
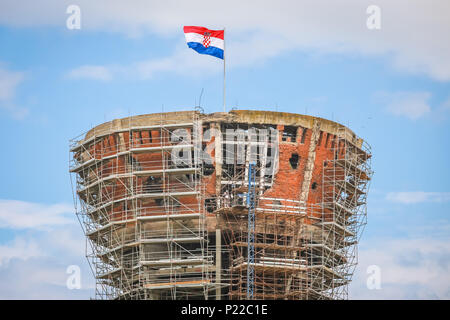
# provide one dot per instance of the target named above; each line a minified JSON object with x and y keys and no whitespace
{"x":205,"y":41}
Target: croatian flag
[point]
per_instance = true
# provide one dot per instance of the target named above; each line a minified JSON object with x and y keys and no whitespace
{"x":205,"y":41}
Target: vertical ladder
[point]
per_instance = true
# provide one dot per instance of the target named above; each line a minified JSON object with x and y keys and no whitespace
{"x":251,"y":203}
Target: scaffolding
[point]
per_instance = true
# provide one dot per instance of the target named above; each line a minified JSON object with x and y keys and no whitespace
{"x":346,"y":179}
{"x":291,"y":248}
{"x":142,"y":210}
{"x":155,"y":231}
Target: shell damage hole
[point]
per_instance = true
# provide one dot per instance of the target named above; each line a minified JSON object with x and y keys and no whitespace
{"x":293,"y":160}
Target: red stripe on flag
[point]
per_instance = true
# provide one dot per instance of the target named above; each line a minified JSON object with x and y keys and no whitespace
{"x":201,"y":30}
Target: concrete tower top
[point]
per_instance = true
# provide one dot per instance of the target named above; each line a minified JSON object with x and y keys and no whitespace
{"x":233,"y":116}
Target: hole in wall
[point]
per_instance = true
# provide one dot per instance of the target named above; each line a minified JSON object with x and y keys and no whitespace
{"x":293,"y":160}
{"x":210,"y":204}
{"x":208,"y":169}
{"x":289,"y":134}
{"x":152,"y":185}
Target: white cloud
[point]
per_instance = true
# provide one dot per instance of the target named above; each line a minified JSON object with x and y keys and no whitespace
{"x":42,"y":278}
{"x":46,"y":241}
{"x":411,"y":249}
{"x":20,"y":248}
{"x":412,"y":105}
{"x":418,"y":197}
{"x":182,"y":61}
{"x":57,"y":241}
{"x":91,"y":72}
{"x":9,"y":81}
{"x":413,"y":32}
{"x":415,"y":268}
{"x":22,"y":215}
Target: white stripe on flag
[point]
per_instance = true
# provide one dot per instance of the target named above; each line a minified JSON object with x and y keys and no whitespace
{"x":195,"y":37}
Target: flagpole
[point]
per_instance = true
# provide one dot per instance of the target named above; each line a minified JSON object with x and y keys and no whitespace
{"x":224,"y":110}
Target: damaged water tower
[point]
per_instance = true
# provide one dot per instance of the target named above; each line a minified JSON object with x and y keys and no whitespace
{"x":237,"y":205}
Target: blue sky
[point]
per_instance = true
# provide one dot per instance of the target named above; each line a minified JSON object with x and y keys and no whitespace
{"x":391,"y":86}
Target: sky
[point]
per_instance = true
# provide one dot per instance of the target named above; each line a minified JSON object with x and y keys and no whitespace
{"x":389,"y":84}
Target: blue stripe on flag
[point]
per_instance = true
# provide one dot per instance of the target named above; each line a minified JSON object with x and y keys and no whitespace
{"x":213,"y":51}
